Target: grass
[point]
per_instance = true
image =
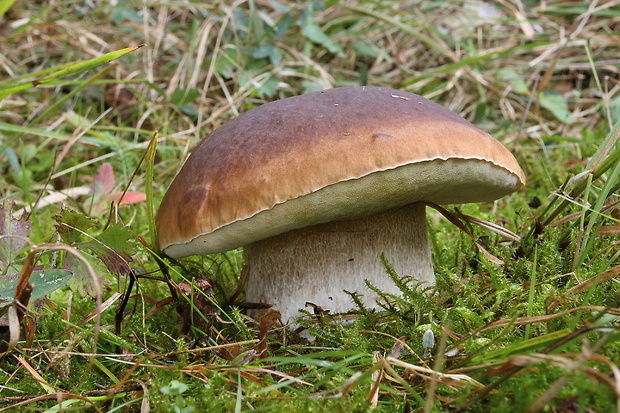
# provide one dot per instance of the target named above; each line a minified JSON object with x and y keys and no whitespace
{"x":536,"y":333}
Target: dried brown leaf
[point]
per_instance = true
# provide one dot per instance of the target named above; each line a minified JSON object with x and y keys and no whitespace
{"x":598,"y":279}
{"x":267,"y":321}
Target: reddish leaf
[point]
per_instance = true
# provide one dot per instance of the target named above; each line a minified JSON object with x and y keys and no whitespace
{"x":105,"y":181}
{"x":128,"y":199}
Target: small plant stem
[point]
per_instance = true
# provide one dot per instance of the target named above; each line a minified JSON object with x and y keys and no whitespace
{"x":532,"y":292}
{"x":150,"y":162}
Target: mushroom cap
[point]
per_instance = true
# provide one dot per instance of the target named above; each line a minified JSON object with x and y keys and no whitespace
{"x":337,"y":154}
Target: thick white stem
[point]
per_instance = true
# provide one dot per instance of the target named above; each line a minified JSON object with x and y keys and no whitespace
{"x":316,"y":264}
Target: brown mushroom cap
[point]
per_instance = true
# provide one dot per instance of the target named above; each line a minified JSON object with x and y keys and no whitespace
{"x":337,"y":154}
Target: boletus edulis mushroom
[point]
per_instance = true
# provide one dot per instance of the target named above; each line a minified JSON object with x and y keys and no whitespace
{"x":316,"y":187}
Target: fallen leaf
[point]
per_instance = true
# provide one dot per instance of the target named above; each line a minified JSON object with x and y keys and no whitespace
{"x":104,"y":184}
{"x":128,"y":199}
{"x":104,"y":180}
{"x":13,"y":232}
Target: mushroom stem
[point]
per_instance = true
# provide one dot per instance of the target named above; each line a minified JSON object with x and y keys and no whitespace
{"x":318,"y":263}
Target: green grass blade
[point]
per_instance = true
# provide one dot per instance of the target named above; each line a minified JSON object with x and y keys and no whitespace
{"x":5,"y":5}
{"x":595,"y":215}
{"x":21,"y":130}
{"x":150,"y":207}
{"x":68,"y":70}
{"x":522,"y":346}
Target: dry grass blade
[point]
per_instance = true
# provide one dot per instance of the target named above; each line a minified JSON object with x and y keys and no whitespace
{"x":53,"y":396}
{"x":520,"y":321}
{"x":599,"y":279}
{"x":17,"y":401}
{"x":609,"y":230}
{"x":571,"y":367}
{"x":201,"y":368}
{"x":35,"y":374}
{"x":428,"y":374}
{"x":453,"y":218}
{"x":51,"y":390}
{"x":498,"y":229}
{"x":514,"y":364}
{"x":616,"y":372}
{"x":570,"y":217}
{"x":14,"y":326}
{"x":377,"y":376}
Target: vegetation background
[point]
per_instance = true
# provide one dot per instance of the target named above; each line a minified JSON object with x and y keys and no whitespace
{"x":110,"y":326}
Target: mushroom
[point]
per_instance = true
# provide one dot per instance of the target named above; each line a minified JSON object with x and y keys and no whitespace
{"x":316,"y":187}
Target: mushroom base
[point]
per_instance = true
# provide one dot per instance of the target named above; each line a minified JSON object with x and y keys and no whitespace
{"x":317,"y":264}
